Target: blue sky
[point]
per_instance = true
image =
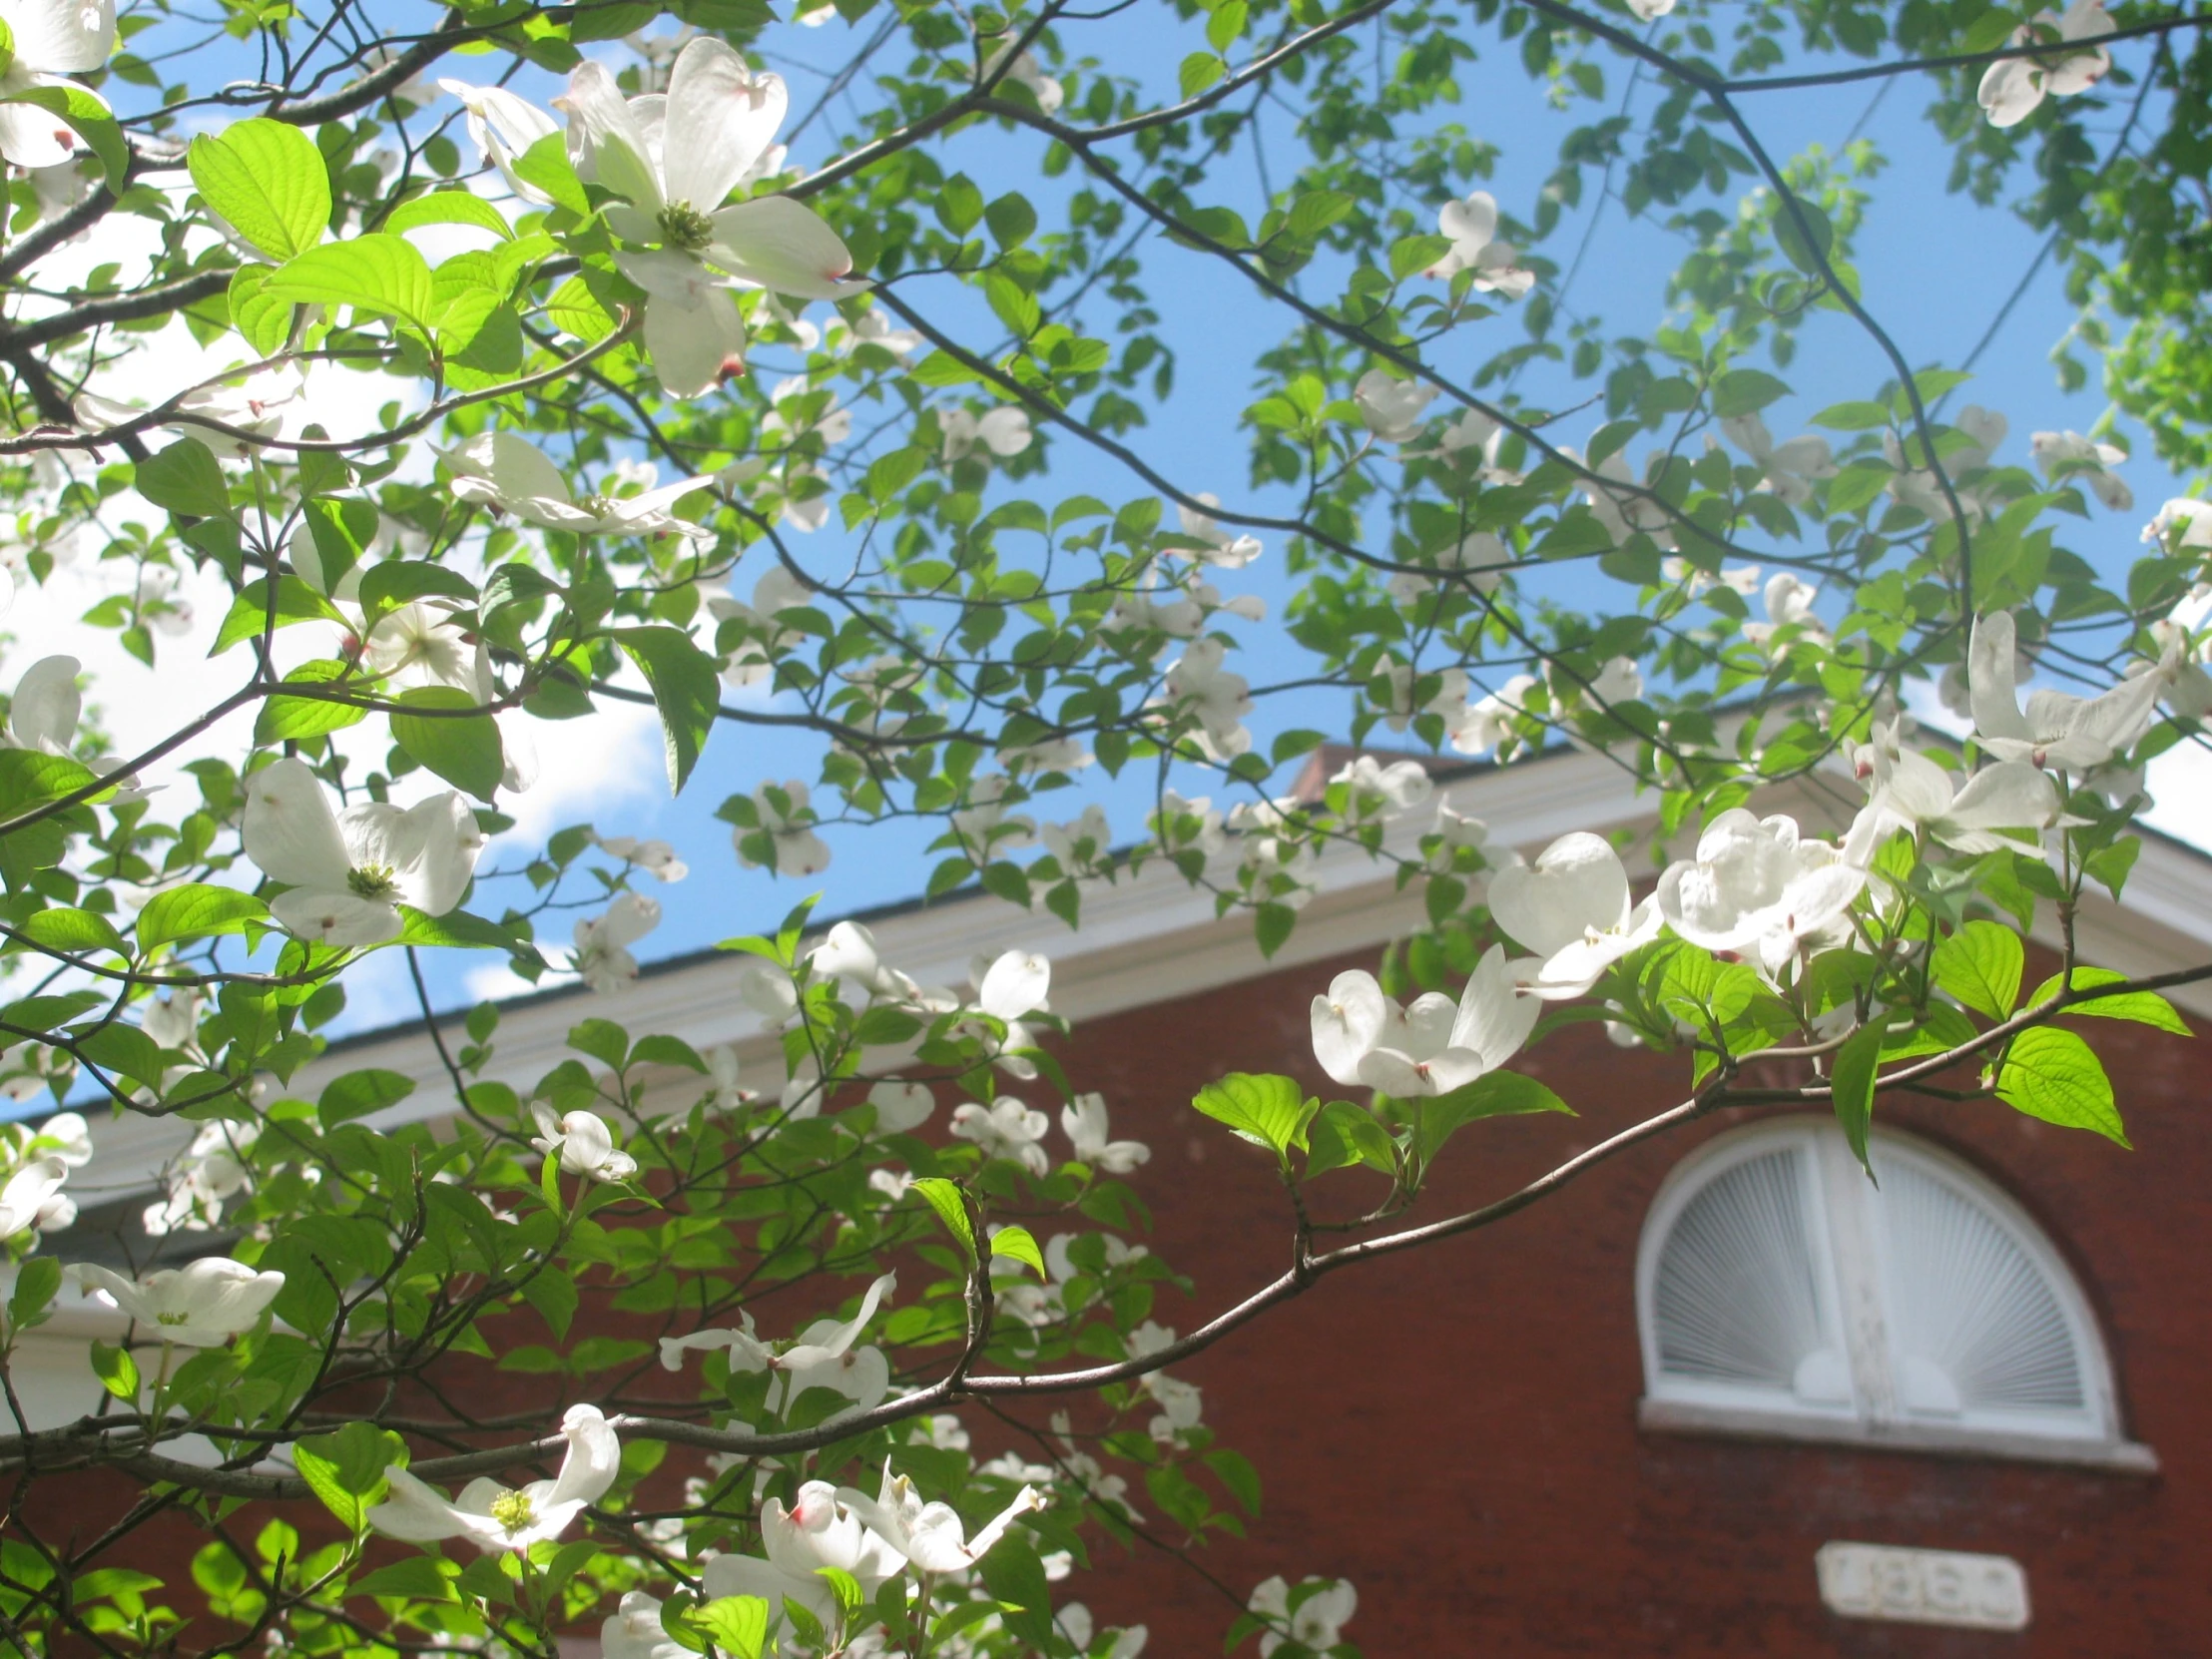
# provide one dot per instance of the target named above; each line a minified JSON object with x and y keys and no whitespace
{"x":1935,"y":271}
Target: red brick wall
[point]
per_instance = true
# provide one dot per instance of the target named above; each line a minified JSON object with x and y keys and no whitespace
{"x":1455,"y":1430}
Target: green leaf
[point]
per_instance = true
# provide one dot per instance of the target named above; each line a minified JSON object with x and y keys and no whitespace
{"x":416,"y":1577}
{"x":396,"y":582}
{"x":1199,"y":71}
{"x":1341,"y":1135}
{"x":264,"y":322}
{"x":1011,"y":218}
{"x":267,"y":181}
{"x":31,"y":777}
{"x":945,"y":1198}
{"x":1495,"y":1094}
{"x":185,"y":479}
{"x":552,"y":1294}
{"x":92,"y":121}
{"x":1850,"y":1079}
{"x":37,"y":1283}
{"x":1853,"y":417}
{"x":1981,"y":967}
{"x":249,"y":612}
{"x":2053,"y":1076}
{"x":73,"y":931}
{"x":1267,"y":1111}
{"x":286,"y":719}
{"x":1411,"y":254}
{"x":455,"y":930}
{"x":602,"y":1039}
{"x":447,"y":206}
{"x":462,"y":749}
{"x":195,"y":911}
{"x":1807,"y":256}
{"x":546,"y":164}
{"x":379,"y":274}
{"x":117,"y":1047}
{"x":686,"y":689}
{"x":43,"y":1014}
{"x":736,"y":1624}
{"x":2144,"y":1007}
{"x":1017,"y":1245}
{"x":346,"y":1468}
{"x":116,"y":1370}
{"x":1743,"y":392}
{"x":358,"y":1093}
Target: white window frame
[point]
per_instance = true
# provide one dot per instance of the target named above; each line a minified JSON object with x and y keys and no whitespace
{"x":1849,"y":1244}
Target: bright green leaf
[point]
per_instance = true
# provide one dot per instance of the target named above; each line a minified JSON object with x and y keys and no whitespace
{"x":267,"y":181}
{"x":2053,"y":1076}
{"x":461,"y":748}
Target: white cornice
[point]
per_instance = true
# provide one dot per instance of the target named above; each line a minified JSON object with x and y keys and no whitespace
{"x":1150,"y":940}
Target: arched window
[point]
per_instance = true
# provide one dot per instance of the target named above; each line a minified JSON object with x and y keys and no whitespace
{"x":1781,"y":1293}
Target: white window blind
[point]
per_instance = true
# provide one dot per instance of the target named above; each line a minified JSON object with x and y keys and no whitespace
{"x":1777,"y":1284}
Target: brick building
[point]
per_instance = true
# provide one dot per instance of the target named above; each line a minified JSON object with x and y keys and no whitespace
{"x":1717,"y":1396}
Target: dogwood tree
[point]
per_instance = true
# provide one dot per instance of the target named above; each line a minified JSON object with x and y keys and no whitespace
{"x":498,"y":361}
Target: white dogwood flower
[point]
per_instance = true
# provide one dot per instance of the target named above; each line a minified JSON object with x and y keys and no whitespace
{"x":202,"y":1304}
{"x":1319,"y":1623}
{"x":1006,"y":1129}
{"x":1759,"y":886}
{"x":1218,"y":698}
{"x":932,"y":1537}
{"x":585,"y":1144}
{"x":347,"y":871}
{"x":2012,"y":88}
{"x":515,"y":476}
{"x":53,"y":39}
{"x":753,"y":659}
{"x":2069,"y":455}
{"x":816,"y":1533}
{"x":900,"y":1107}
{"x":797,"y":850}
{"x":1907,"y":790}
{"x":2183,"y":522}
{"x":1392,"y":408}
{"x":1789,"y":602}
{"x":2055,"y":728}
{"x":1005,"y":431}
{"x":1790,"y":467}
{"x":674,"y":157}
{"x":635,"y":1632}
{"x":1473,"y":226}
{"x":1571,"y":908}
{"x":1083,"y":1120}
{"x":503,"y":127}
{"x":43,"y":710}
{"x":33,"y":1197}
{"x":657,"y":857}
{"x":492,"y":1516}
{"x":1477,"y":560}
{"x":826,"y":1354}
{"x":1918,"y":487}
{"x":1492,"y":720}
{"x":1435,"y":1045}
{"x":1230,"y":552}
{"x":602,"y":956}
{"x":1373,"y":789}
{"x":1016,"y":983}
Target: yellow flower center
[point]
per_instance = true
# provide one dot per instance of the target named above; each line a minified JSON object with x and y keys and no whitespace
{"x":373,"y":881}
{"x":685,"y":227}
{"x":513,"y":1511}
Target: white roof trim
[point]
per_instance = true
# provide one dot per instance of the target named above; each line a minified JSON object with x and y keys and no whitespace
{"x":1153,"y":939}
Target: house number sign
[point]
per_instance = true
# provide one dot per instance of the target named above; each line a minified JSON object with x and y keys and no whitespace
{"x":1922,"y":1586}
